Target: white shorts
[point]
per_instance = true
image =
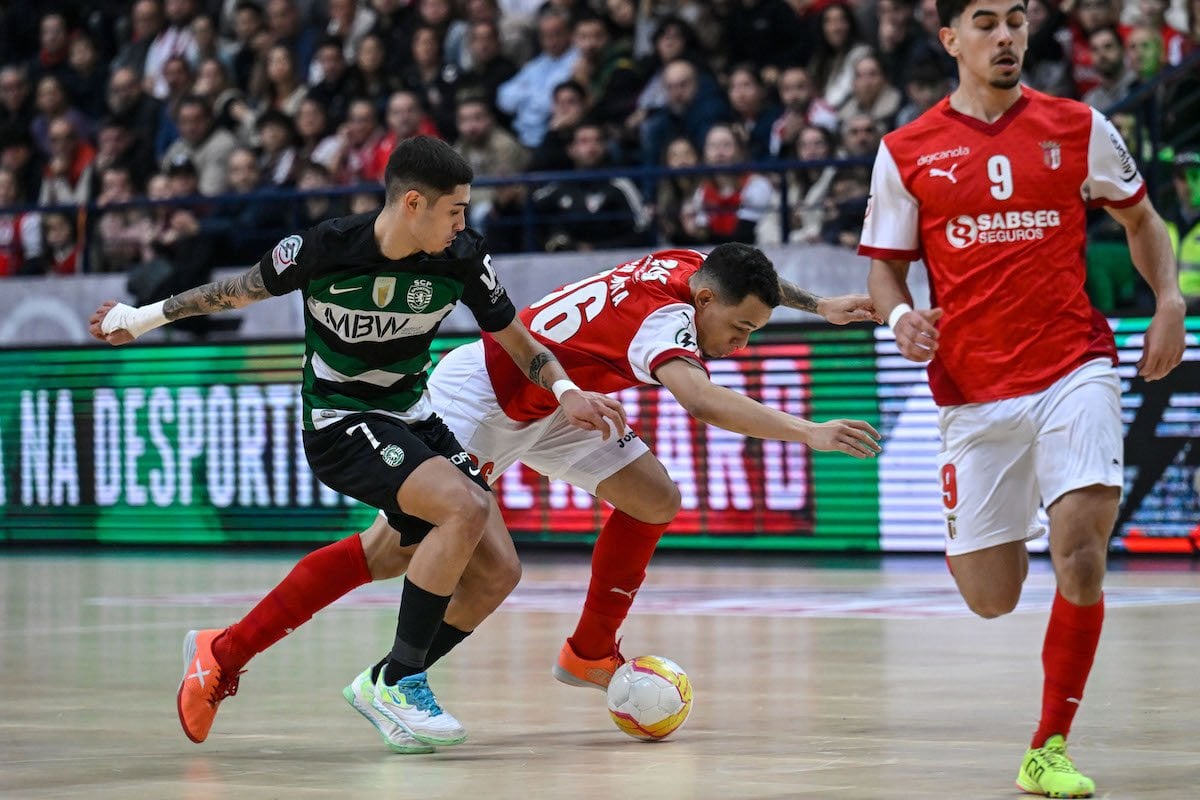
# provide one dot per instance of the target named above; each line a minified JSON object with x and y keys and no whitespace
{"x":463,"y":396}
{"x":1000,"y":459}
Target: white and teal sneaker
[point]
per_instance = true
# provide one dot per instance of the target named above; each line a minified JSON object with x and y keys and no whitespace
{"x":410,"y":704}
{"x":361,"y":695}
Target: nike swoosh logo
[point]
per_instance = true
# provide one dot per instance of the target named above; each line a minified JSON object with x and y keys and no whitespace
{"x":336,"y":290}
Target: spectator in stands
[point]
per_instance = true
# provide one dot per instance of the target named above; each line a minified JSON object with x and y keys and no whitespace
{"x":872,"y":94}
{"x":606,"y":69}
{"x":489,"y":67}
{"x":801,"y":108}
{"x":406,"y":118}
{"x":349,"y":22}
{"x":1152,"y":14}
{"x":316,"y":143}
{"x":900,"y":40}
{"x":85,"y":77}
{"x":1145,"y":51}
{"x":136,"y":111}
{"x":146,"y":22}
{"x":204,"y":33}
{"x":230,"y":110}
{"x":729,"y":205}
{"x":61,"y":247}
{"x":277,"y":148}
{"x":315,"y":208}
{"x":374,"y":80}
{"x":592,"y":213}
{"x":926,"y":86}
{"x":673,"y":39}
{"x":807,"y":189}
{"x":52,"y":103}
{"x":676,"y":196}
{"x":1183,"y":224}
{"x":286,"y":28}
{"x":839,"y":47}
{"x":205,"y":145}
{"x":753,"y":114}
{"x":121,"y":232}
{"x":16,"y":102}
{"x":336,"y":85}
{"x":174,"y":40}
{"x":528,"y":95}
{"x":359,"y":136}
{"x":1108,"y":59}
{"x":277,"y":85}
{"x":1047,"y":67}
{"x":19,"y":156}
{"x":489,"y":149}
{"x":67,"y":179}
{"x":116,"y":146}
{"x":251,"y":224}
{"x":248,"y":23}
{"x":434,"y":83}
{"x":179,"y":77}
{"x":184,"y":181}
{"x":846,"y":206}
{"x":689,"y":112}
{"x":1090,"y":15}
{"x":861,"y":135}
{"x":53,"y":41}
{"x":569,"y":109}
{"x":20,"y":232}
{"x":929,"y":49}
{"x":451,"y":32}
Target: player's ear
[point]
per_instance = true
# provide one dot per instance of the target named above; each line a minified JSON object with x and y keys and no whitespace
{"x":412,"y":201}
{"x":703,"y":296}
{"x":949,"y":39}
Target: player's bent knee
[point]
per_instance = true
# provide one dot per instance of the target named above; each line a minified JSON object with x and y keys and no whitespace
{"x":466,"y":511}
{"x":992,"y":606}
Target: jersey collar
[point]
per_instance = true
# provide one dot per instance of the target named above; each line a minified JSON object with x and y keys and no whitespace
{"x":989,"y":128}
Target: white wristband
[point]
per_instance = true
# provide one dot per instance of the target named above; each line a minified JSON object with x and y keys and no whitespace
{"x":562,"y":385}
{"x":898,"y":312}
{"x":134,"y":320}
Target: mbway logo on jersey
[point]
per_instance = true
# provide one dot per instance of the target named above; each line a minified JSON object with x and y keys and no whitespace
{"x":1001,"y":226}
{"x":941,"y":155}
{"x":374,"y":326}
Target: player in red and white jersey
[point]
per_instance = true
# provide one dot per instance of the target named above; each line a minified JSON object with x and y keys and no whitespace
{"x":991,"y":187}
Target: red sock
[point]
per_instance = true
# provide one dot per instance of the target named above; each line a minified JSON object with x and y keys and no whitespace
{"x":1067,"y":655}
{"x":321,"y":577}
{"x":619,"y":561}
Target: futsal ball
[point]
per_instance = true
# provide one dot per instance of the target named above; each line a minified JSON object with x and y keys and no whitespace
{"x":649,"y":697}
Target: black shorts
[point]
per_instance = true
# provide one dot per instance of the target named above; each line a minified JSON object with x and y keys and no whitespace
{"x":369,"y":456}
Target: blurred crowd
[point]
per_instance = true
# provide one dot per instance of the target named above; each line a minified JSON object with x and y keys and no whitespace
{"x":220,"y":109}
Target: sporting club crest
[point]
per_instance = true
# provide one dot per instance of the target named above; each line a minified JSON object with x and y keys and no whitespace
{"x":419,"y":295}
{"x":383,"y":291}
{"x":1052,"y":154}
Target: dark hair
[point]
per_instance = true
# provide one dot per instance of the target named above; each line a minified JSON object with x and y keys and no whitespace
{"x":734,"y":271}
{"x":1112,"y":29}
{"x":948,"y":10}
{"x":428,"y":165}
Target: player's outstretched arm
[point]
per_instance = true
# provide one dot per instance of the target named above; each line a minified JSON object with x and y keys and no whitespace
{"x":587,"y":410}
{"x":117,"y":323}
{"x":916,"y":331}
{"x":1150,"y":248}
{"x":725,"y":408}
{"x":839,"y":310}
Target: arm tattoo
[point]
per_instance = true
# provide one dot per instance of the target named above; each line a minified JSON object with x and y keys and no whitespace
{"x":241,"y":290}
{"x":535,"y":368}
{"x":792,"y":296}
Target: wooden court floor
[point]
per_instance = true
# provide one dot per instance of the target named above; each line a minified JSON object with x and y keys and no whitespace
{"x":814,"y":679}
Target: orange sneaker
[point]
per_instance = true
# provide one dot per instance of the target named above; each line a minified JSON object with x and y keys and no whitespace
{"x":203,"y":686}
{"x":592,"y":672}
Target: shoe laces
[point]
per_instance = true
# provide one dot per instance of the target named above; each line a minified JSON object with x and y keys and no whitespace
{"x":226,"y":687}
{"x":1057,"y":759}
{"x":420,"y":695}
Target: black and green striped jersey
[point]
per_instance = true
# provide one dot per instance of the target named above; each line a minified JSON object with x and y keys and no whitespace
{"x":369,"y":320}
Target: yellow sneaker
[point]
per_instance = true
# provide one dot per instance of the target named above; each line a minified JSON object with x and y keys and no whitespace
{"x":590,"y":672}
{"x":203,"y":686}
{"x":1048,"y":771}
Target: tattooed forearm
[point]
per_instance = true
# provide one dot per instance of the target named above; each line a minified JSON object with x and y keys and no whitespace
{"x":231,"y":293}
{"x":792,"y":296}
{"x":535,"y":368}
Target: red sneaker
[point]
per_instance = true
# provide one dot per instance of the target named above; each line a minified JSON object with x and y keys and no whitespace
{"x":203,"y":686}
{"x":591,"y":672}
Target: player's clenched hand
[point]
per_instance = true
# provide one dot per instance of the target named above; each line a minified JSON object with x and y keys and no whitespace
{"x":917,"y":334}
{"x":848,"y":308}
{"x":119,"y":336}
{"x":589,"y":410}
{"x":851,"y":436}
{"x":1165,"y":341}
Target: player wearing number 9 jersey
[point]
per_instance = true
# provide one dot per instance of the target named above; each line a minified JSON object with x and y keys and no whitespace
{"x":991,"y":187}
{"x":376,"y":287}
